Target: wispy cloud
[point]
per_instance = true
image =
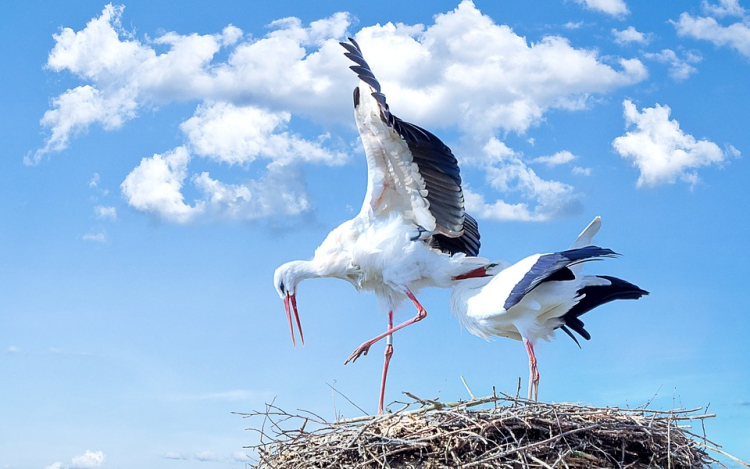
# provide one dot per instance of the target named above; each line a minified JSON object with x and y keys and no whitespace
{"x":105,"y":213}
{"x":680,"y":68}
{"x":506,"y":172}
{"x":96,"y":236}
{"x":559,"y":158}
{"x":661,"y":150}
{"x":616,"y":8}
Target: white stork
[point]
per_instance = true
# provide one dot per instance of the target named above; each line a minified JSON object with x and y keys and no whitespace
{"x":411,"y":232}
{"x":533,"y":297}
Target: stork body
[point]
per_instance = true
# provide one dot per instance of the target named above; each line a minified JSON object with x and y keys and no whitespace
{"x":530,"y":299}
{"x":411,"y":231}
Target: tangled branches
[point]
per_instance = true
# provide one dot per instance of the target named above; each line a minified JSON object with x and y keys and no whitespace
{"x":507,"y":433}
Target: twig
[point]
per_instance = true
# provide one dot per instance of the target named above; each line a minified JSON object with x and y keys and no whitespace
{"x":467,"y":387}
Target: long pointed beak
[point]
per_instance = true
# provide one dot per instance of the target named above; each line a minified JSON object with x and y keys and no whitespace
{"x":290,"y":304}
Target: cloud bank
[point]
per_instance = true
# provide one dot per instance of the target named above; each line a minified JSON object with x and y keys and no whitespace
{"x":464,"y":71}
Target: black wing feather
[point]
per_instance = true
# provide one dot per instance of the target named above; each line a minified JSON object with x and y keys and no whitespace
{"x":468,"y":243}
{"x":548,"y":265}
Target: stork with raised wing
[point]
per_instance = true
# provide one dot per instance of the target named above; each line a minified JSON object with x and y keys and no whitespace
{"x":530,"y":299}
{"x":412,"y":231}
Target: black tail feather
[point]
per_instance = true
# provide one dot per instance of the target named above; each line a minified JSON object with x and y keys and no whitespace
{"x":596,"y":296}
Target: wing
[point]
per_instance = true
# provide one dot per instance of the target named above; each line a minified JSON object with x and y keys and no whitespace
{"x":550,"y":267}
{"x":468,"y":243}
{"x":409,"y":168}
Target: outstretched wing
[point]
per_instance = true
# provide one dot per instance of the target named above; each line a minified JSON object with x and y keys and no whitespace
{"x":409,"y":168}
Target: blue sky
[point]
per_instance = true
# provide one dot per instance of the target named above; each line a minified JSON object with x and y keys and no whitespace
{"x":161,"y":160}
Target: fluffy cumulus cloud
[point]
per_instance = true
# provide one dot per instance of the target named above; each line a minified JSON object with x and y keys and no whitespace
{"x":735,"y":35}
{"x":506,"y":172}
{"x":630,"y":35}
{"x":155,"y":186}
{"x":463,"y":71}
{"x":241,"y":134}
{"x":615,"y":8}
{"x":661,"y":150}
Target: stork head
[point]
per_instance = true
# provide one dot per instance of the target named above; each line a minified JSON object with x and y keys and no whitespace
{"x":285,"y":280}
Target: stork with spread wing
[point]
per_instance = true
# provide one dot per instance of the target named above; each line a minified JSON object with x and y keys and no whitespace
{"x":412,"y":231}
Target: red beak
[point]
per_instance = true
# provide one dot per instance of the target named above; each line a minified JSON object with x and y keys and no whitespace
{"x":289,"y":298}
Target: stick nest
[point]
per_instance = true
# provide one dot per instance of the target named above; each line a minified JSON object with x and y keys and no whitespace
{"x":504,"y":432}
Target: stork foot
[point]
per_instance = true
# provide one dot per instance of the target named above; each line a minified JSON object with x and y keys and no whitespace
{"x":359,"y":351}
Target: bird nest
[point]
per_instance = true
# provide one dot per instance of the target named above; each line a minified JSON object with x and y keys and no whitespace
{"x":492,"y":432}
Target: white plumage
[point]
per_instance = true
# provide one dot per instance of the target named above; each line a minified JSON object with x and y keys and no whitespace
{"x":528,"y":300}
{"x":411,"y":231}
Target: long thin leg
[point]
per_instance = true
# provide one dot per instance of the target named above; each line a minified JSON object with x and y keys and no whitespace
{"x":386,"y":362}
{"x":533,"y":371}
{"x":365,"y":347}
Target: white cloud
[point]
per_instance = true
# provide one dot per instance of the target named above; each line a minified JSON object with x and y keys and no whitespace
{"x":240,"y":134}
{"x":105,"y":213}
{"x":506,"y":172}
{"x":465,"y":63}
{"x":13,"y":349}
{"x":154,"y":186}
{"x":679,"y":68}
{"x":724,"y":8}
{"x":96,"y":236}
{"x":468,"y":71}
{"x":661,"y":150}
{"x":630,"y":34}
{"x":95,"y":180}
{"x":207,"y":456}
{"x":126,"y":74}
{"x":174,"y":455}
{"x":736,"y":35}
{"x":580,"y":171}
{"x":240,"y":456}
{"x":615,"y":8}
{"x":75,"y":110}
{"x":88,"y":460}
{"x":278,"y":193}
{"x":573,"y":25}
{"x":463,"y":71}
{"x":561,"y":157}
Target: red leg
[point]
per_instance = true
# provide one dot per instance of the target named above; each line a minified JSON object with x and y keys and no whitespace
{"x":365,"y":347}
{"x":386,"y":362}
{"x":533,"y":371}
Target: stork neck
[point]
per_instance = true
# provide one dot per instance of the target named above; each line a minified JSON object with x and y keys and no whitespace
{"x":306,"y":269}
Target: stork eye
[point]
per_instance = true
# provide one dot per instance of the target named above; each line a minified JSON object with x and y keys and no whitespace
{"x":281,"y":287}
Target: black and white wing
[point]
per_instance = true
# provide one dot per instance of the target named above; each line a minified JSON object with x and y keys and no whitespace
{"x":409,"y":168}
{"x":551,"y":267}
